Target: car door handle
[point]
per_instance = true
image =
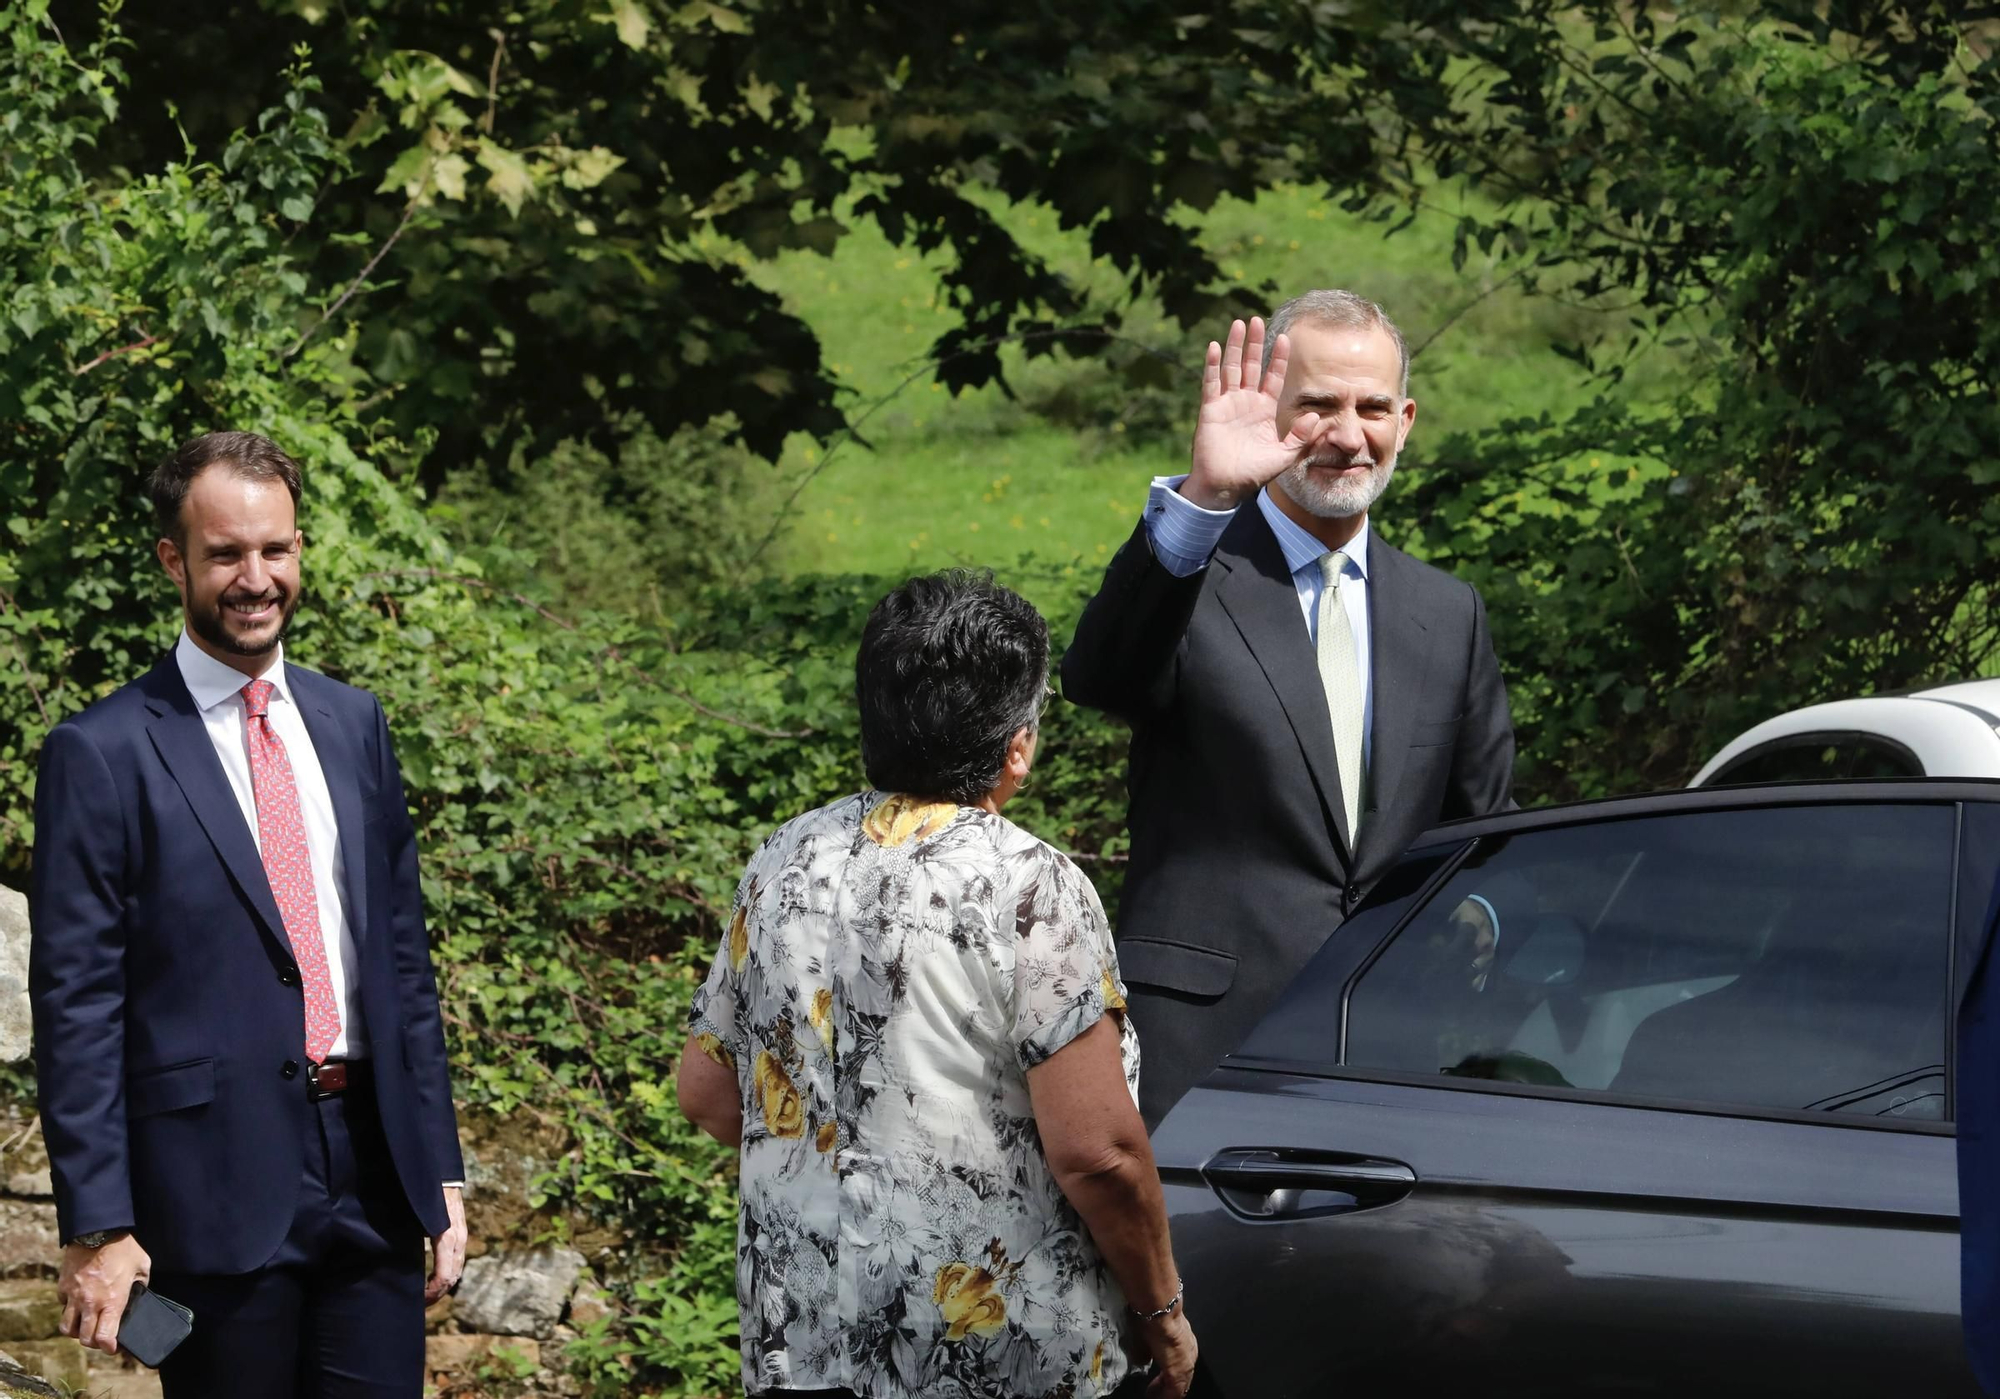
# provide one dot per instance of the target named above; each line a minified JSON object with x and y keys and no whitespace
{"x":1276,"y":1182}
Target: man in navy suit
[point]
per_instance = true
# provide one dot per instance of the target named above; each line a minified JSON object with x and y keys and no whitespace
{"x":242,"y":1065}
{"x":1979,"y":1156}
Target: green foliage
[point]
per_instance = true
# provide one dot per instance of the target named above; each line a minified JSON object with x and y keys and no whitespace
{"x":587,"y":185}
{"x":639,"y":532}
{"x":1799,"y":195}
{"x":507,"y":253}
{"x":1058,"y":471}
{"x":137,"y":315}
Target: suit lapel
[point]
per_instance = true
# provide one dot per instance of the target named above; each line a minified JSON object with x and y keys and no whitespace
{"x":340,"y":765}
{"x":182,"y":741}
{"x":1256,"y":590}
{"x":1399,"y":662}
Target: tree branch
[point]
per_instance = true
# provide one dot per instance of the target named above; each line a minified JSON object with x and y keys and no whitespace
{"x":1454,"y":318}
{"x":1645,"y":52}
{"x":409,"y":212}
{"x":121,"y":350}
{"x":493,"y":81}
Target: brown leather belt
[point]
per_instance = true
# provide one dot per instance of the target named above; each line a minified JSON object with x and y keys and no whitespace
{"x":335,"y":1077}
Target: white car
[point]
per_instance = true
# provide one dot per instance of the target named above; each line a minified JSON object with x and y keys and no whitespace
{"x":1949,"y":731}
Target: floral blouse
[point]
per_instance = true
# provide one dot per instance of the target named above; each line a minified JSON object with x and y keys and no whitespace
{"x":891,"y":971}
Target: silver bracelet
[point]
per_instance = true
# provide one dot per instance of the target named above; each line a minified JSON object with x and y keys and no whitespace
{"x":1174,"y":1301}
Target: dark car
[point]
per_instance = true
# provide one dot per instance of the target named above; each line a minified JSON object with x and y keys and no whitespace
{"x":1648,"y":1096}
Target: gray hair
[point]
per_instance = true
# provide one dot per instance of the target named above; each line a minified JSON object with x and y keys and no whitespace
{"x":1341,"y":310}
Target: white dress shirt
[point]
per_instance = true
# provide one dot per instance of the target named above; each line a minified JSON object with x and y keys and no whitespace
{"x":218,"y":693}
{"x":1184,"y":536}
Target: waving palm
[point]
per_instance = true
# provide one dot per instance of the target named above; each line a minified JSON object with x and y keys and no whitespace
{"x":1237,"y":445}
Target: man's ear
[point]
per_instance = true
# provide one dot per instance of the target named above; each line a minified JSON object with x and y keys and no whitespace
{"x":1409,"y":416}
{"x":169,"y":555}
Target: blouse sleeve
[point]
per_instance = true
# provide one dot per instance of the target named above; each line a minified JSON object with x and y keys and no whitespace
{"x":712,"y":1019}
{"x":1065,"y":971}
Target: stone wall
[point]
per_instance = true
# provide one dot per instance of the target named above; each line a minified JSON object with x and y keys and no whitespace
{"x":501,"y":1337}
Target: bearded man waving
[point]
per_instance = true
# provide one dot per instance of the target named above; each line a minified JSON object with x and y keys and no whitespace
{"x":1305,"y":699}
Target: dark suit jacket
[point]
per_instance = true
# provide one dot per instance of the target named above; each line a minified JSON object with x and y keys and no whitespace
{"x":1241,"y":859}
{"x":1979,"y":1157}
{"x":169,"y":1020}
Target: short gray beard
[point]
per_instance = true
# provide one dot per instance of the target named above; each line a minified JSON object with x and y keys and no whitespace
{"x":1336,"y":500}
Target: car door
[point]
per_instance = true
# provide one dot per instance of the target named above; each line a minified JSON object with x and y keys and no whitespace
{"x":1644,"y":1098}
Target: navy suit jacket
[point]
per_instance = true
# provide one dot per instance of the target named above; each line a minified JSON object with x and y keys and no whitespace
{"x":1979,"y":1157}
{"x":169,"y":1019}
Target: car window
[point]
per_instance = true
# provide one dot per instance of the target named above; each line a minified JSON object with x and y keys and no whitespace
{"x":1790,"y":957}
{"x":1872,"y":758}
{"x":1821,"y":758}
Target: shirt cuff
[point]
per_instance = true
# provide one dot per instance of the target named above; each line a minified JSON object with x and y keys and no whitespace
{"x":452,"y":1185}
{"x":1183,"y":535}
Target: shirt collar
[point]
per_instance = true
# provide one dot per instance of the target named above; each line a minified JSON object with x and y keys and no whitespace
{"x":1301,"y":549}
{"x":211,"y":682}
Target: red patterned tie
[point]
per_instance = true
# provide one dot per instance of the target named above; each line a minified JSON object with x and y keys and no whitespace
{"x":281,"y":832}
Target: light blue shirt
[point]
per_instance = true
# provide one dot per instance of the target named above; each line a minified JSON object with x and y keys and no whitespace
{"x":1184,"y":537}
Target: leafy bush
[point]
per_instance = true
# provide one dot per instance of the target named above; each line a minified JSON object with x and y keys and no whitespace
{"x":637,"y":531}
{"x":1796,"y":195}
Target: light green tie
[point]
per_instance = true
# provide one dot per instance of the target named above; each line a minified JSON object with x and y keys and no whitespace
{"x":1340,"y":673}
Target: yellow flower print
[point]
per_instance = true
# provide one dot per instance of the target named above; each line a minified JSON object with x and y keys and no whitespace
{"x":1112,"y":1000}
{"x":739,"y":935}
{"x":821,"y":1016}
{"x":966,"y":1298}
{"x":712,"y":1047}
{"x":784,"y":1111}
{"x":1097,"y":1364}
{"x":901,"y":819}
{"x":827,"y":1137}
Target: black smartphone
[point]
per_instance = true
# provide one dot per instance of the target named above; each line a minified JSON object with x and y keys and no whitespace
{"x":152,"y":1326}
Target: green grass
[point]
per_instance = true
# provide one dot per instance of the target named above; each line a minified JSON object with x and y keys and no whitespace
{"x":1057,"y":473}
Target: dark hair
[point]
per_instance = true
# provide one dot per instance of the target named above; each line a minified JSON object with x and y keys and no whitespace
{"x":252,"y":457}
{"x":951,"y":667}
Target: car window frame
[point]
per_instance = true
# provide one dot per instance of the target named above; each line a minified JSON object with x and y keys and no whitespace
{"x":1878,"y":791}
{"x":1819,"y":738}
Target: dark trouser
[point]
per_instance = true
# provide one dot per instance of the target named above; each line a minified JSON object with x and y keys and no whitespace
{"x":338,"y":1312}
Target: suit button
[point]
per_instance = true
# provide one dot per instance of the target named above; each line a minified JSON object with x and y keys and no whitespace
{"x":289,"y":976}
{"x":289,"y":1069}
{"x":1354,"y":893}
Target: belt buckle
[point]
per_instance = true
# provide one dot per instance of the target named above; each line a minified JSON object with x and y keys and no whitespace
{"x":325,"y":1081}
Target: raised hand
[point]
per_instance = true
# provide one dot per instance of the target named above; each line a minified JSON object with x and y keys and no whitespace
{"x":1237,"y":445}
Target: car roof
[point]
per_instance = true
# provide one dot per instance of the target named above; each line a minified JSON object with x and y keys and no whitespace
{"x":1875,"y":790}
{"x":1951,"y":728}
{"x":1982,"y":695}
